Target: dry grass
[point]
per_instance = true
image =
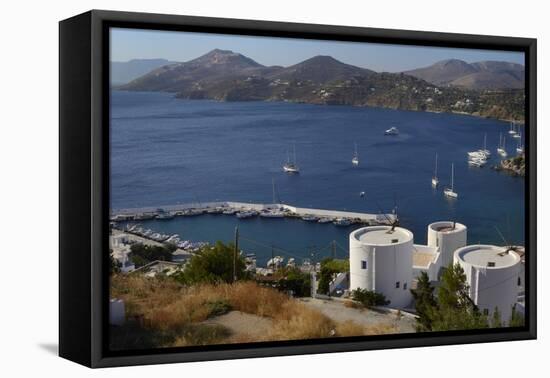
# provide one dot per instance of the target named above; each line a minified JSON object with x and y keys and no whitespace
{"x":164,"y":307}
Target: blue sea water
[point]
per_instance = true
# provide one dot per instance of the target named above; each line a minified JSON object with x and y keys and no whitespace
{"x":167,"y":151}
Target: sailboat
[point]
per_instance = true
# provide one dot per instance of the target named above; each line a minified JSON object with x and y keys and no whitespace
{"x":512,"y":128}
{"x":450,"y":192}
{"x":519,"y":148}
{"x":291,"y":167}
{"x":502,"y":146}
{"x":435,"y":180}
{"x":355,"y":159}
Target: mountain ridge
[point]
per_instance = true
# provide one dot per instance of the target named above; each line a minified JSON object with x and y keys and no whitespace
{"x":476,"y":75}
{"x":224,"y":75}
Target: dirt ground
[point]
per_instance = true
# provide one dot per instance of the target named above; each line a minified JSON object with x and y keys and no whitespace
{"x":336,"y":310}
{"x":240,"y":323}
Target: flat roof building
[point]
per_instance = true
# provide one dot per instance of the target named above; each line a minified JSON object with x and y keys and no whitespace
{"x":493,"y":274}
{"x":381,"y":261}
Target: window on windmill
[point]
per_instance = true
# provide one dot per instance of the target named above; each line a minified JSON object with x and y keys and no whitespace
{"x":491,"y":264}
{"x":397,"y":285}
{"x":363,"y":264}
{"x":394,"y":241}
{"x":519,"y":281}
{"x":404,"y":286}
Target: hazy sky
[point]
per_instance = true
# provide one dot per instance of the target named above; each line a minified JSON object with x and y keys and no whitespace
{"x":129,"y":44}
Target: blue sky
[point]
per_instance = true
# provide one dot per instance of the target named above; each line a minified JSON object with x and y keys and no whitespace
{"x":129,"y":44}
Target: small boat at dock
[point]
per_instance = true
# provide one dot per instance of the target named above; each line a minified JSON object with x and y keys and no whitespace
{"x":342,"y":222}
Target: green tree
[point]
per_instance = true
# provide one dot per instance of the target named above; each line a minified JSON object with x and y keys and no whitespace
{"x":496,"y":319}
{"x":114,"y":263}
{"x":142,"y":254}
{"x":329,"y":267}
{"x":455,"y":310}
{"x":425,"y":303}
{"x":516,"y":319}
{"x":213,"y":265}
{"x":293,"y":279}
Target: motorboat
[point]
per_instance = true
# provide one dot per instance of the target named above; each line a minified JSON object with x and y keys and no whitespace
{"x":392,"y":131}
{"x":342,"y":222}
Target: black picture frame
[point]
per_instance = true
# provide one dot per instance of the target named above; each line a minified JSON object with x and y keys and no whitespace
{"x":84,"y":186}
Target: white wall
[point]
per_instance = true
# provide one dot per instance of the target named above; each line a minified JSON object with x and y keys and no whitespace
{"x":386,"y":265}
{"x":28,"y":152}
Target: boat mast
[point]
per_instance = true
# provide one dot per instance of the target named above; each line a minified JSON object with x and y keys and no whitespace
{"x":273,"y":186}
{"x":485,"y":142}
{"x":435,"y":171}
{"x":452,"y":177}
{"x":294,"y":146}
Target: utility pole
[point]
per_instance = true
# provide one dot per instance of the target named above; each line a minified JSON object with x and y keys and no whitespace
{"x":272,"y":258}
{"x":235,"y":253}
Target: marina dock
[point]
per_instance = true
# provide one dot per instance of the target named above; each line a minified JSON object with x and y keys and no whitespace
{"x":229,"y":207}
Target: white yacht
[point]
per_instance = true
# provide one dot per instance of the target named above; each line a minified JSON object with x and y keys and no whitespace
{"x":392,"y":131}
{"x":291,"y":167}
{"x":477,"y":162}
{"x":450,"y":192}
{"x":502,"y":146}
{"x":355,"y":159}
{"x":435,"y":180}
{"x":481,"y":154}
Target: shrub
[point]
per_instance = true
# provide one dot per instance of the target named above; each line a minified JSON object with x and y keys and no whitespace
{"x":218,"y":307}
{"x":369,"y":298}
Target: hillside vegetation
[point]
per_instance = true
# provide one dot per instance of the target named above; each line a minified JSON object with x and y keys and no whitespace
{"x":164,"y":313}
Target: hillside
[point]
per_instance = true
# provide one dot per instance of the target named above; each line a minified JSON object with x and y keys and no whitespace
{"x":228,"y":76}
{"x":479,"y":75}
{"x":124,"y":72}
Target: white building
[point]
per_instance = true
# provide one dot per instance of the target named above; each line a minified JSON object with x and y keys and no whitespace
{"x":444,"y":238}
{"x":492,"y":273}
{"x":447,"y":237}
{"x":120,"y":248}
{"x":381,"y":261}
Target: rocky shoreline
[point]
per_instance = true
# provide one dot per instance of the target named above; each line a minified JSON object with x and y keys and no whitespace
{"x":514,"y":166}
